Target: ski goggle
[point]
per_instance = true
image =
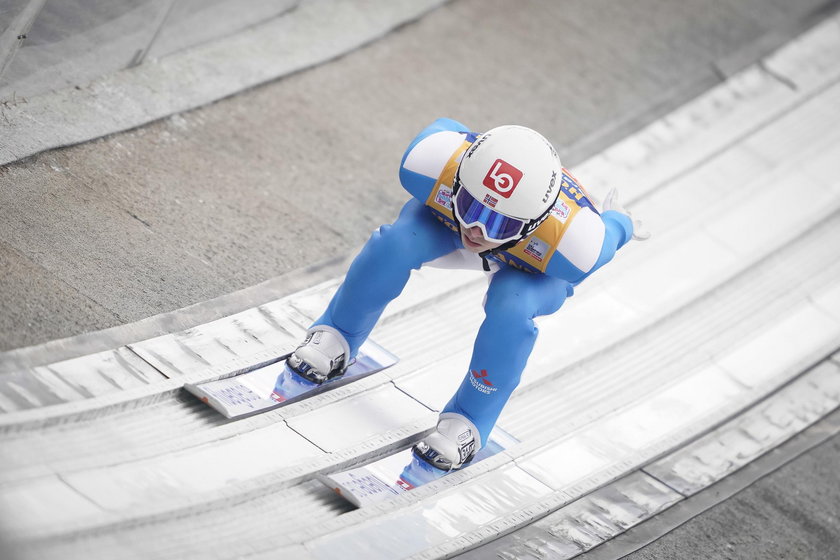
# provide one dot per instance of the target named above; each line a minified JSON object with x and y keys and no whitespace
{"x":495,"y":226}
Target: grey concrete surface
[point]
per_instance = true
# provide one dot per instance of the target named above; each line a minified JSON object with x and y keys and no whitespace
{"x":134,"y":94}
{"x":791,"y":513}
{"x":299,"y":171}
{"x":72,"y":42}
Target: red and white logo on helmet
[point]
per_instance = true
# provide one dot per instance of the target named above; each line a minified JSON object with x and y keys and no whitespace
{"x":502,"y":178}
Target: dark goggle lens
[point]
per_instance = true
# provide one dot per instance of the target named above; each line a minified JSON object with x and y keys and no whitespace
{"x":497,"y":227}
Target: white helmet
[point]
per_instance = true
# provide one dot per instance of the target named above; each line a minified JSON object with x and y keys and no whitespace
{"x":507,"y":183}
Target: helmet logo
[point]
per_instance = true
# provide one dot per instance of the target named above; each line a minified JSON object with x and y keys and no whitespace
{"x":550,"y":186}
{"x":502,"y":178}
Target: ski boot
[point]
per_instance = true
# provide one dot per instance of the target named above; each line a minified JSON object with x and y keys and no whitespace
{"x":324,"y":355}
{"x":452,"y":445}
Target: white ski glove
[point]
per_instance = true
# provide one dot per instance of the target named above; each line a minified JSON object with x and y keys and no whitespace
{"x":612,"y":203}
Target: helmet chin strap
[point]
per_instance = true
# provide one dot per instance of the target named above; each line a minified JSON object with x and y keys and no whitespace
{"x":490,"y":252}
{"x":509,"y":244}
{"x":484,"y":254}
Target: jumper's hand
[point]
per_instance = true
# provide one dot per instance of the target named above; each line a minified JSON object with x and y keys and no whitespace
{"x":612,"y":203}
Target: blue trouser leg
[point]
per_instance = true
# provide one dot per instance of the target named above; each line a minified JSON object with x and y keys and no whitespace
{"x":504,"y":342}
{"x":381,"y":270}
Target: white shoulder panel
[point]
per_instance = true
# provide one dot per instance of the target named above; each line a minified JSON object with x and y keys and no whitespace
{"x":432,"y":152}
{"x":582,"y":241}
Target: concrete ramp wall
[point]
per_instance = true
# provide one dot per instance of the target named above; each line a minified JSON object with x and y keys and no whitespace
{"x":55,"y":45}
{"x":77,"y":70}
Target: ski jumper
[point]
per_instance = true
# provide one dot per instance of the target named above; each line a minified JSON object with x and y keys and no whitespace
{"x":532,"y":279}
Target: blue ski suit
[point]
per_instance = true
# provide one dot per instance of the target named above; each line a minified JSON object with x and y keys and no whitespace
{"x":532,"y":279}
